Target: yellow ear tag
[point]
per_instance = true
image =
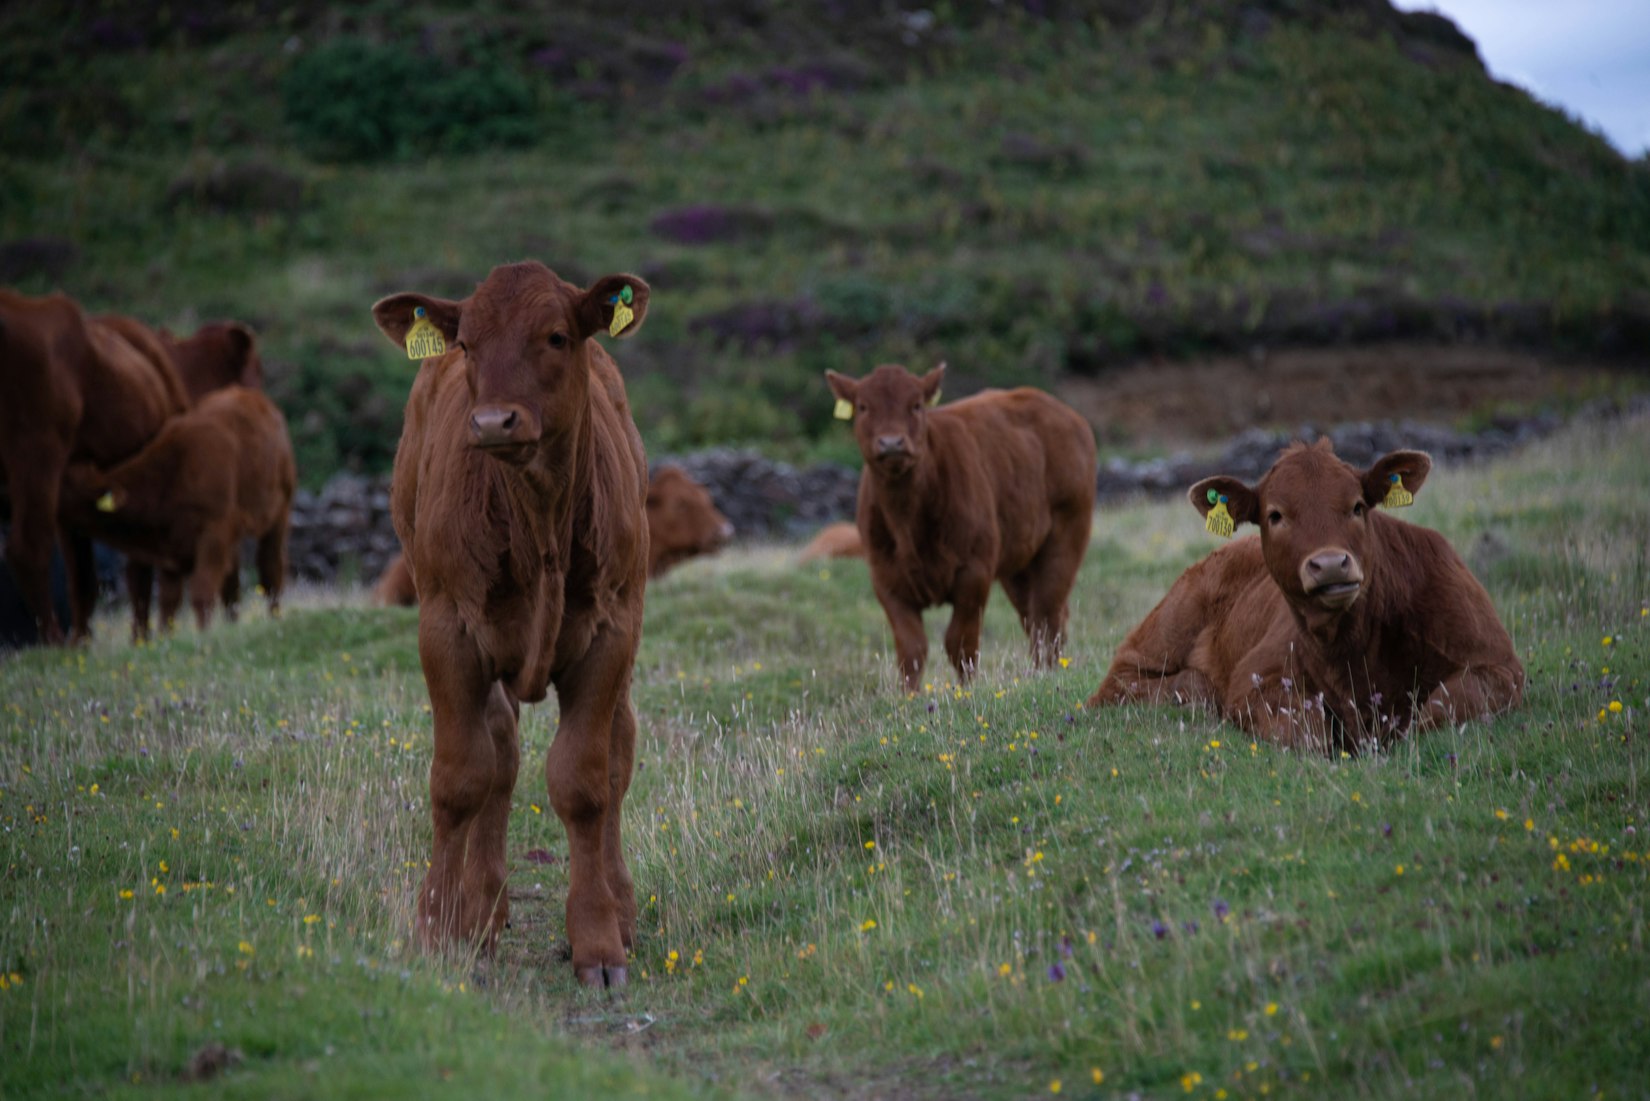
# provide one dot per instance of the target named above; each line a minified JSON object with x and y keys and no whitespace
{"x":106,"y":503}
{"x":622,"y":313}
{"x":844,"y":410}
{"x":1217,"y":521}
{"x":424,"y":339}
{"x":935,"y":400}
{"x":1398,"y":496}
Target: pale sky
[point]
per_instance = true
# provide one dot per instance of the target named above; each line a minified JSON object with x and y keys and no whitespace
{"x":1590,"y":57}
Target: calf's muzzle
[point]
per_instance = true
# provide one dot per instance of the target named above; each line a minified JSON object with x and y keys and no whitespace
{"x":1332,"y":576}
{"x":501,"y":426}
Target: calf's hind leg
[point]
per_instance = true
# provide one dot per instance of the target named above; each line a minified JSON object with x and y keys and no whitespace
{"x":1047,"y":583}
{"x":272,"y":564}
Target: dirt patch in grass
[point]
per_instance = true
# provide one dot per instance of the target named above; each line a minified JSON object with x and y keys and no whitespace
{"x":1162,"y":404}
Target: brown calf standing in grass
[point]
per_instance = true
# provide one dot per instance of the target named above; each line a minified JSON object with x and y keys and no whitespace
{"x":682,"y":520}
{"x":519,"y":495}
{"x":999,"y":485}
{"x":1338,"y":625}
{"x":72,"y":390}
{"x":220,"y":473}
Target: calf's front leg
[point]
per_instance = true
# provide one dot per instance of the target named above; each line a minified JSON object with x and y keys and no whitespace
{"x":910,"y":640}
{"x":962,"y":634}
{"x":1475,"y":693}
{"x":582,"y":771}
{"x":463,"y":775}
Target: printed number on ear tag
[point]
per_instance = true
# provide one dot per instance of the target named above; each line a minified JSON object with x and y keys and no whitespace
{"x":1397,"y":496}
{"x":1218,"y":521}
{"x":424,"y":339}
{"x":621,"y":317}
{"x":844,"y":410}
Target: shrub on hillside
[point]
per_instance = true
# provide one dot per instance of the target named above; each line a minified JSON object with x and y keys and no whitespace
{"x":355,"y":100}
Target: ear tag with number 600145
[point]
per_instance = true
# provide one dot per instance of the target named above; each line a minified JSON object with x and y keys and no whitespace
{"x":424,"y":339}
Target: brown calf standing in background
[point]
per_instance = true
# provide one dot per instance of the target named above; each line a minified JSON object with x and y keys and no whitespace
{"x":220,"y":473}
{"x":999,"y":485}
{"x":1337,"y":625}
{"x":520,"y":498}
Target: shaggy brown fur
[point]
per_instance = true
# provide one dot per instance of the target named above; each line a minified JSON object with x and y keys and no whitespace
{"x":682,"y":520}
{"x":217,"y":474}
{"x":519,"y":496}
{"x":1338,"y":625}
{"x":834,"y":541}
{"x":999,"y":485}
{"x":71,"y":390}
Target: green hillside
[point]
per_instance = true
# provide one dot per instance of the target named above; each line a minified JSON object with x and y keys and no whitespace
{"x":1026,"y":190}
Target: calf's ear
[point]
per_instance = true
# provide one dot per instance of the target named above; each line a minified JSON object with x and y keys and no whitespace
{"x":1411,"y":467}
{"x":1242,"y":503}
{"x":931,"y":383}
{"x":614,"y":304}
{"x":842,"y":386}
{"x":396,"y":314}
{"x":243,"y":342}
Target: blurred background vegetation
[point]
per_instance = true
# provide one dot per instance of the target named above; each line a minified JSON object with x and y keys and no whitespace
{"x":1033,"y":191}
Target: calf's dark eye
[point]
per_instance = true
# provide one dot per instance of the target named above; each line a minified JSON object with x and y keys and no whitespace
{"x":1274,"y":517}
{"x":1358,"y":509}
{"x":558,"y":340}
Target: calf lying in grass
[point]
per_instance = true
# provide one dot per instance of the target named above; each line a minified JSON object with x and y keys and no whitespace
{"x":220,"y":473}
{"x":1338,"y":626}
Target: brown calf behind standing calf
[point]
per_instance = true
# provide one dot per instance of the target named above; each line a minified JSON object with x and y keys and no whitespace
{"x":217,"y":474}
{"x":1337,"y":626}
{"x":996,"y":486}
{"x":520,"y":498}
{"x":682,"y":520}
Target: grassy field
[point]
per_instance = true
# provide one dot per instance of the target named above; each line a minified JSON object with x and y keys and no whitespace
{"x":848,"y":892}
{"x":825,"y":186}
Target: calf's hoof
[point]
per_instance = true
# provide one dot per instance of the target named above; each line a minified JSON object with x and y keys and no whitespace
{"x":599,"y":977}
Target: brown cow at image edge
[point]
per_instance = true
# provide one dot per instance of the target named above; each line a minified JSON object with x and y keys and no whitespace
{"x":217,"y":474}
{"x":1337,"y":626}
{"x":519,"y":496}
{"x":79,"y":390}
{"x":996,"y":486}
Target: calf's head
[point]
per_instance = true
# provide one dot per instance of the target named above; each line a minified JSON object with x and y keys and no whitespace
{"x":1313,"y":510}
{"x":524,"y":337}
{"x":890,"y":412}
{"x":682,"y":521}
